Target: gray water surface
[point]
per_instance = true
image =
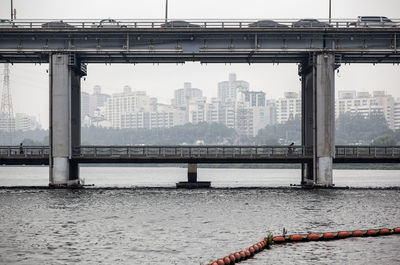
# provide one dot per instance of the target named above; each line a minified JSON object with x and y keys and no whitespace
{"x":168,"y":226}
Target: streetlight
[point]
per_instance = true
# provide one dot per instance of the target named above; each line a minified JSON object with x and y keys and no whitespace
{"x":166,"y":11}
{"x":12,"y":10}
{"x":330,"y":11}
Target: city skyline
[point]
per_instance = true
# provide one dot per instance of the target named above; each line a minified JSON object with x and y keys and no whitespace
{"x":29,"y":83}
{"x":212,"y":93}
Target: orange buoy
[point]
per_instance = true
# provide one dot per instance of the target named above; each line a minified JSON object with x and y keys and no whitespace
{"x":371,"y":232}
{"x":232,"y":257}
{"x":342,"y":234}
{"x":260,"y":246}
{"x":312,"y":237}
{"x":384,"y":231}
{"x":220,"y":262}
{"x":295,"y":237}
{"x":328,"y":235}
{"x":396,"y":230}
{"x":252,"y":250}
{"x":278,"y":239}
{"x":248,"y":254}
{"x":357,"y":233}
{"x":237,"y":256}
{"x":256,"y":248}
{"x":227,"y":260}
{"x":243,"y":254}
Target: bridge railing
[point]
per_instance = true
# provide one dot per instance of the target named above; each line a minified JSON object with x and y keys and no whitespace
{"x":160,"y":23}
{"x":25,"y":151}
{"x":367,"y":151}
{"x":346,"y":151}
{"x":190,"y":151}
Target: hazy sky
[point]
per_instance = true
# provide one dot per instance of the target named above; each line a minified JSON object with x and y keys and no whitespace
{"x":29,"y":83}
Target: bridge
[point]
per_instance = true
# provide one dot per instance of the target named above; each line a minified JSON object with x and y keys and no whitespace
{"x":318,"y":51}
{"x":195,"y":154}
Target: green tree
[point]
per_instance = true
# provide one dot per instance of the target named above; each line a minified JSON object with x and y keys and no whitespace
{"x":384,"y":140}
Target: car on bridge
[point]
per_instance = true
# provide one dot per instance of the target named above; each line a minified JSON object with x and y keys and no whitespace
{"x":310,"y":23}
{"x":109,"y":23}
{"x":5,"y":23}
{"x":267,"y":23}
{"x":56,"y":24}
{"x":179,"y":24}
{"x":373,"y":22}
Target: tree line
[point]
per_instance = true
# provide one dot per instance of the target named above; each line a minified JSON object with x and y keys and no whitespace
{"x":350,"y":129}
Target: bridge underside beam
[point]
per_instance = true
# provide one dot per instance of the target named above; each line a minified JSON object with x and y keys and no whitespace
{"x":178,"y":45}
{"x":222,"y":56}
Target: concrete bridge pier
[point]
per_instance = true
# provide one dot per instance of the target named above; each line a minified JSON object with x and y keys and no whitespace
{"x":192,"y":182}
{"x":318,"y":118}
{"x":65,"y":118}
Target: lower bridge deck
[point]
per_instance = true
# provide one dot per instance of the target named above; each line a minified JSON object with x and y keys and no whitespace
{"x":39,"y":155}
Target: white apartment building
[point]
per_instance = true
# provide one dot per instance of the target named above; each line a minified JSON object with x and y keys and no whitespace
{"x":365,"y":103}
{"x":85,"y":105}
{"x":98,"y":99}
{"x":228,"y":90}
{"x":24,"y":122}
{"x":213,"y":110}
{"x":396,"y":114}
{"x":288,"y":107}
{"x":186,"y":94}
{"x":165,"y":117}
{"x":126,"y":103}
{"x":197,"y":110}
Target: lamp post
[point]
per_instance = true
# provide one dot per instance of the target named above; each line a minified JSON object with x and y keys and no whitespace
{"x":166,"y":11}
{"x":330,"y":11}
{"x":12,"y":10}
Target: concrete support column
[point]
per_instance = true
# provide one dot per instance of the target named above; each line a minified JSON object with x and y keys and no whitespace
{"x":318,"y":118}
{"x":192,"y":173}
{"x":192,"y":182}
{"x":65,"y":124}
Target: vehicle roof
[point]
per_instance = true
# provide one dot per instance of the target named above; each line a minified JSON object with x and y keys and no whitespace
{"x":373,"y":16}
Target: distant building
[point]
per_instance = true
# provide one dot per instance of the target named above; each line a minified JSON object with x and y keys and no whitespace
{"x":24,"y":122}
{"x":365,"y":103}
{"x":126,"y":103}
{"x":288,"y":108}
{"x":396,"y":115}
{"x":7,"y":123}
{"x":228,"y":90}
{"x":186,"y":94}
{"x":85,"y":105}
{"x":97,"y":99}
{"x":254,"y":98}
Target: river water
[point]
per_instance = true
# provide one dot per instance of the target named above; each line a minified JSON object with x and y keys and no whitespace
{"x":161,"y":225}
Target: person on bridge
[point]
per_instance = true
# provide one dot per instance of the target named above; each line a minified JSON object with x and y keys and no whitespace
{"x":290,"y":149}
{"x":21,"y":149}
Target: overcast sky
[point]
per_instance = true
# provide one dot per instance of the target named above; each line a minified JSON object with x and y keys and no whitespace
{"x":29,"y":83}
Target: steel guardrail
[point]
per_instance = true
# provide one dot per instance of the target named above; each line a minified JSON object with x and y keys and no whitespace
{"x":201,"y":23}
{"x":185,"y":151}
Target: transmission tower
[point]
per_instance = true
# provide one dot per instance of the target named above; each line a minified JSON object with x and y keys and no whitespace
{"x":6,"y":100}
{"x":6,"y":113}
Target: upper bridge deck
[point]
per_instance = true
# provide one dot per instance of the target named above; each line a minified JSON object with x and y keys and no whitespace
{"x":211,"y":41}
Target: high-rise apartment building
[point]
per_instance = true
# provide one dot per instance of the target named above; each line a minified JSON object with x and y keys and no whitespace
{"x":24,"y":122}
{"x":125,"y":103}
{"x":288,"y":107}
{"x":186,"y":94}
{"x":228,"y":90}
{"x":85,"y":105}
{"x":365,"y":103}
